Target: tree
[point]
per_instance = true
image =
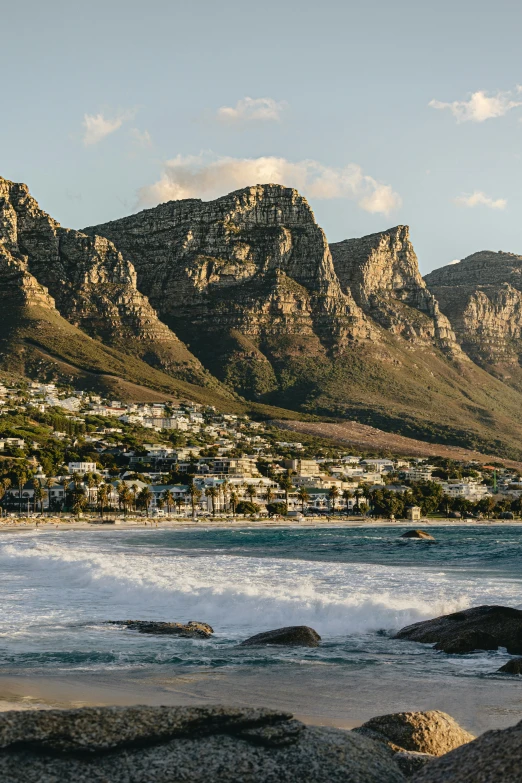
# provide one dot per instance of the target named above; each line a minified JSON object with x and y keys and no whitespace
{"x":21,"y":479}
{"x":212,"y":493}
{"x":333,"y":494}
{"x":234,"y":499}
{"x":125,"y":497}
{"x":304,"y":496}
{"x":144,"y":499}
{"x":179,"y":503}
{"x":5,"y":483}
{"x":278,"y":509}
{"x":195,"y":495}
{"x":79,"y":502}
{"x":347,"y":495}
{"x":269,"y":494}
{"x":168,"y":499}
{"x":225,"y":487}
{"x":247,"y":507}
{"x":38,"y":494}
{"x":250,"y":492}
{"x":286,"y":485}
{"x":102,"y":497}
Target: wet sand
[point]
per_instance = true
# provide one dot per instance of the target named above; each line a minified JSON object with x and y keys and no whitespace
{"x":311,"y":694}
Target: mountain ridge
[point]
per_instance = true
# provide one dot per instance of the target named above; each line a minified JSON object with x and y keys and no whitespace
{"x":242,"y":302}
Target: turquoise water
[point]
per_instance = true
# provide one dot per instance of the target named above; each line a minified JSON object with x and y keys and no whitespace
{"x":355,"y":587}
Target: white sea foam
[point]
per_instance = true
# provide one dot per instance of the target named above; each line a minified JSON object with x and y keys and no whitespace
{"x":60,"y":580}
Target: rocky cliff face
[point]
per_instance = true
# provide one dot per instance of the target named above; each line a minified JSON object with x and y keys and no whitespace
{"x":18,"y":285}
{"x":250,"y":283}
{"x":382,"y":272}
{"x":93,"y":286}
{"x":482,"y":297}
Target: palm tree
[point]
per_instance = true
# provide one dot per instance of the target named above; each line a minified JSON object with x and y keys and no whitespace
{"x":333,"y":494}
{"x":49,"y":484}
{"x":179,"y":503}
{"x":286,"y":485}
{"x":195,"y":495}
{"x":102,"y":497}
{"x":126,"y":497}
{"x":168,"y":498}
{"x":91,"y":483}
{"x":304,"y":496}
{"x":269,"y":494}
{"x":4,"y":484}
{"x":225,"y":484}
{"x":35,"y":483}
{"x":212,"y":493}
{"x":21,"y":478}
{"x":79,"y":502}
{"x":347,"y":495}
{"x":134,"y":493}
{"x":250,"y":492}
{"x":234,"y":499}
{"x":38,"y":494}
{"x":144,"y":499}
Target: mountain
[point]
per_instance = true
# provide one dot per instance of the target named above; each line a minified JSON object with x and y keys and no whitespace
{"x":93,"y":286}
{"x":351,"y":330}
{"x":482,"y":297}
{"x":56,"y":283}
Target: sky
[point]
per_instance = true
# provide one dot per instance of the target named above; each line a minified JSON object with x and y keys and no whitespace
{"x":379,"y":112}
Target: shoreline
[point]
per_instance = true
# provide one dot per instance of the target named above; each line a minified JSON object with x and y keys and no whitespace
{"x":314,"y":696}
{"x":184,"y":523}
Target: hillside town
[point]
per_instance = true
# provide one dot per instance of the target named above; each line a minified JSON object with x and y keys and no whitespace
{"x":66,"y":451}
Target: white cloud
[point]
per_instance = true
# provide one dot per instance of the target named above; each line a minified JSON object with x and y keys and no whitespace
{"x":206,"y":175}
{"x":457,"y":261}
{"x":480,"y":106}
{"x":478,"y":198}
{"x":252,"y":109}
{"x":97,"y":127}
{"x":142,"y":138}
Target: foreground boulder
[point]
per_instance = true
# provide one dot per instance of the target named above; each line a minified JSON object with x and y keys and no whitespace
{"x":189,"y":630}
{"x":495,"y":757}
{"x":431,"y":732}
{"x":514,"y":666}
{"x":478,"y":628}
{"x":293,"y":635}
{"x":172,"y":744}
{"x":419,"y":534}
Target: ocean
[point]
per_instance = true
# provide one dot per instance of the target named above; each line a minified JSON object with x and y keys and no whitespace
{"x":355,"y":586}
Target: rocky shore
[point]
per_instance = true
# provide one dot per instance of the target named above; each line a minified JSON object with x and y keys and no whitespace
{"x":222,"y":744}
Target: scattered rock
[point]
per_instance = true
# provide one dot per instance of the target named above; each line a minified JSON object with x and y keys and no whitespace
{"x":495,"y":757}
{"x":296,"y":635}
{"x":431,"y":732}
{"x":468,"y":642}
{"x":171,"y":744}
{"x":481,"y":627}
{"x":418,"y":534}
{"x":191,"y":630}
{"x":514,"y":666}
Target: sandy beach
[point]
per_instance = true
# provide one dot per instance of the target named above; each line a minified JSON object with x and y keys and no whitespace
{"x":208,"y":523}
{"x":319,"y":700}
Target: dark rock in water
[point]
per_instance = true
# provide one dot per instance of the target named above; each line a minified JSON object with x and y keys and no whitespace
{"x":514,"y":666}
{"x":189,"y":630}
{"x":430,"y":732}
{"x":478,"y":628}
{"x":173,"y":744}
{"x":468,"y":642}
{"x":293,"y":635}
{"x":418,"y":534}
{"x":495,"y":757}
